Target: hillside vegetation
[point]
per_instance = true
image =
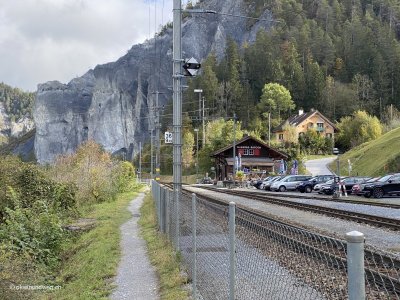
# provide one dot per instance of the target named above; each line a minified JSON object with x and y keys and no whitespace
{"x":38,"y":207}
{"x":374,"y":158}
{"x":337,"y":56}
{"x":17,"y":103}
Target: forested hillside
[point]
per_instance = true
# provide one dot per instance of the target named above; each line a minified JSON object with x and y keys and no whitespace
{"x":17,"y":103}
{"x":337,"y":56}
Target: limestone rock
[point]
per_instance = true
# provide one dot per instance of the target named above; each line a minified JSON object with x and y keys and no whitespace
{"x":114,"y":103}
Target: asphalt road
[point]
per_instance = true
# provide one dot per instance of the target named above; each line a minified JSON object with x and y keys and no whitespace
{"x":319,"y":166}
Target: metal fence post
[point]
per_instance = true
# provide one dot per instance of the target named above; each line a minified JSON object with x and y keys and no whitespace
{"x":162,"y":202}
{"x":194,"y":246}
{"x":167,"y":215}
{"x":232,"y":250}
{"x":177,"y":220}
{"x":355,"y":265}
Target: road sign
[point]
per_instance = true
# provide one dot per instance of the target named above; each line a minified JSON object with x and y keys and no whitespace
{"x":168,"y":137}
{"x":191,"y":67}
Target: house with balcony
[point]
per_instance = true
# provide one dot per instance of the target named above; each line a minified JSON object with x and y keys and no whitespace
{"x":302,"y":122}
{"x":252,"y":153}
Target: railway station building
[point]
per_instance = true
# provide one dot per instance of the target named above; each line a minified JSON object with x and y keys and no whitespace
{"x":253,"y":156}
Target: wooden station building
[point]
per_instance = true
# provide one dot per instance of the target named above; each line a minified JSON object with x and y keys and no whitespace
{"x":254,"y":155}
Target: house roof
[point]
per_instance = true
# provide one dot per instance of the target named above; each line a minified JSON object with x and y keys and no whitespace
{"x":246,"y":138}
{"x":296,"y":120}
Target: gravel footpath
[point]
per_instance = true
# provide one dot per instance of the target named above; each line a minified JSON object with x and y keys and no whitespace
{"x":379,"y":238}
{"x":136,"y":278}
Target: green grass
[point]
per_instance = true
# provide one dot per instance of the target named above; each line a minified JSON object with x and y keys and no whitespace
{"x":162,"y":255}
{"x":374,"y":158}
{"x":90,"y":260}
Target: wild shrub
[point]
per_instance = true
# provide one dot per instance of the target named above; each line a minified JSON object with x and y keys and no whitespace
{"x":125,"y":176}
{"x":97,"y":177}
{"x":31,"y":185}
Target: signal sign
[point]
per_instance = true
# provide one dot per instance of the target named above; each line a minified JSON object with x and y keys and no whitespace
{"x":168,"y":137}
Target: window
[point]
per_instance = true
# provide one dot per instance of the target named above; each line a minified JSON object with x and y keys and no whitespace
{"x":280,"y":137}
{"x":248,"y":151}
{"x":320,"y":125}
{"x":328,"y":135}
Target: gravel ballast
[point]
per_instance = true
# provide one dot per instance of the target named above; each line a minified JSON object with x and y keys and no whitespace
{"x":382,"y":239}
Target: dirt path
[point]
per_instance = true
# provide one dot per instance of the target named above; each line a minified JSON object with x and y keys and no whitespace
{"x":136,"y":278}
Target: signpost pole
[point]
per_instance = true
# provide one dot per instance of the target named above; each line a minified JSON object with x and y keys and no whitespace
{"x":177,"y":106}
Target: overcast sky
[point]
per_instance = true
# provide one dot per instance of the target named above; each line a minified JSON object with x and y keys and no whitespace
{"x":42,"y":40}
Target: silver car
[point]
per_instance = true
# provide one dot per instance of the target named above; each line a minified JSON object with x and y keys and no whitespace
{"x":288,"y":182}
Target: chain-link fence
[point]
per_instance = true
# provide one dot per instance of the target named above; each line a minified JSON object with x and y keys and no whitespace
{"x":233,"y":253}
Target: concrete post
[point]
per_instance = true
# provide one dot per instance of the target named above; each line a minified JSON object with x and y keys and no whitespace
{"x":194,"y":246}
{"x":232,"y":250}
{"x":355,"y":265}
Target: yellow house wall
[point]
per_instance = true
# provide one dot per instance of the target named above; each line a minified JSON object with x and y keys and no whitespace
{"x":303,"y":127}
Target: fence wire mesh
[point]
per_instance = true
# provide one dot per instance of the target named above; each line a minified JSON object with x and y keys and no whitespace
{"x":273,"y":260}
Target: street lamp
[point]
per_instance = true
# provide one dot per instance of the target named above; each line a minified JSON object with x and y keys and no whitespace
{"x":197,"y":152}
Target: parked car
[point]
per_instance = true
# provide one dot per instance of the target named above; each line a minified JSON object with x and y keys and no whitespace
{"x":308,"y":185}
{"x":288,"y":182}
{"x":258,"y":184}
{"x":348,"y":183}
{"x":321,"y":187}
{"x":386,"y":185}
{"x":358,"y":188}
{"x":267,"y":184}
{"x":207,"y":180}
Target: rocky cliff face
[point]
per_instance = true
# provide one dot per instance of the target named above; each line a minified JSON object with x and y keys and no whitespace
{"x":113,"y":104}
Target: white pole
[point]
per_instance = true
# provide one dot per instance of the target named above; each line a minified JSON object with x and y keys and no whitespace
{"x":232,"y":250}
{"x":355,"y":265}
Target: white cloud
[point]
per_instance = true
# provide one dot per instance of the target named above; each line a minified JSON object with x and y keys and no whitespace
{"x":42,"y":40}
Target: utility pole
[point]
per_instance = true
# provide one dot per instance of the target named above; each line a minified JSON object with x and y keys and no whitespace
{"x":204,"y":127}
{"x":157,"y":137}
{"x":151,"y":155}
{"x":177,"y":107}
{"x":140,"y":162}
{"x":269,"y":129}
{"x":199,"y":91}
{"x":234,"y":149}
{"x":197,"y":153}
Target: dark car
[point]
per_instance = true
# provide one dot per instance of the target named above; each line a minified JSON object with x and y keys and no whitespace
{"x":386,"y":185}
{"x":348,"y":183}
{"x":206,"y":180}
{"x":267,"y":184}
{"x":259,"y":183}
{"x":308,"y":185}
{"x":358,"y":188}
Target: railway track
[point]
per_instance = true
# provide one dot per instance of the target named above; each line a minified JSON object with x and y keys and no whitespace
{"x":330,"y":199}
{"x":372,"y":220}
{"x":382,"y":271}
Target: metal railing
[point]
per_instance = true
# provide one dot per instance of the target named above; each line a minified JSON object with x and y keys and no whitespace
{"x":232,"y":253}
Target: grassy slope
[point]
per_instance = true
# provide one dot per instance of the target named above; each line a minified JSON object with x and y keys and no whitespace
{"x":374,"y":158}
{"x":90,"y":262}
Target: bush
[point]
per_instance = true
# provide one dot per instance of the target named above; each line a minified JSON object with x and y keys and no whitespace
{"x":34,"y":232}
{"x":31,"y":185}
{"x":125,"y":177}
